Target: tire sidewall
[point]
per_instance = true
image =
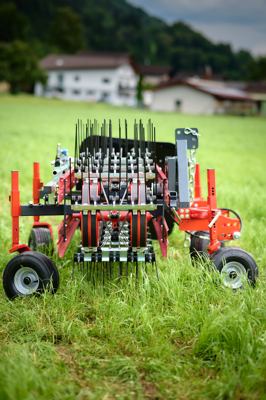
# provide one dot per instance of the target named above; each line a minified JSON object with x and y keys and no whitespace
{"x":228,"y":254}
{"x":26,"y":260}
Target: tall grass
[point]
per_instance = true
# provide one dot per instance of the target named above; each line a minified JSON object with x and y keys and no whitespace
{"x":182,"y":337}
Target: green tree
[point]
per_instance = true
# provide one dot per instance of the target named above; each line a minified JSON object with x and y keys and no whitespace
{"x":66,"y":31}
{"x":257,"y":69}
{"x":19,"y":67}
{"x":13,"y":24}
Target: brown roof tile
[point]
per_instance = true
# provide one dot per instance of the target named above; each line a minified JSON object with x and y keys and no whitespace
{"x":85,"y":60}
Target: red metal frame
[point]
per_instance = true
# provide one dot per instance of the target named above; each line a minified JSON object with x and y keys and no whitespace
{"x":198,"y":217}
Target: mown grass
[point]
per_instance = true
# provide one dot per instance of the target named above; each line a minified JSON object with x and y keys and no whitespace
{"x":180,"y":338}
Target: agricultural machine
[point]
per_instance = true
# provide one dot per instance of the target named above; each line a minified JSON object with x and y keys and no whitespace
{"x":122,"y":193}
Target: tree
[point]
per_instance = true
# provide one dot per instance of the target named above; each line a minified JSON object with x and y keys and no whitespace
{"x":257,"y":69}
{"x":66,"y":31}
{"x":19,"y":67}
{"x":13,"y":24}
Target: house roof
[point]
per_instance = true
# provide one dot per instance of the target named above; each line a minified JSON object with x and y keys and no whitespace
{"x":215,"y":88}
{"x":85,"y":60}
{"x":156,"y":70}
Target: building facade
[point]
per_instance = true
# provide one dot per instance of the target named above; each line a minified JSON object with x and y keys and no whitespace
{"x":198,"y":96}
{"x":90,"y":77}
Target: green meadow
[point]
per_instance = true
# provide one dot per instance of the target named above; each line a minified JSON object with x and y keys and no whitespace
{"x":182,"y":337}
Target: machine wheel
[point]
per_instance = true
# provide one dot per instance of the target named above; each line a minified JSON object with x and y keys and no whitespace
{"x":40,"y":239}
{"x":235,"y":266}
{"x":30,"y":273}
{"x":198,"y":246}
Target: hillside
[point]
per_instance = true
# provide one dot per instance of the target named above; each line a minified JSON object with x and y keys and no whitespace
{"x":115,"y":25}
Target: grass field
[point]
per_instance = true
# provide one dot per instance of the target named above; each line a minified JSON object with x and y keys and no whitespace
{"x":180,"y":338}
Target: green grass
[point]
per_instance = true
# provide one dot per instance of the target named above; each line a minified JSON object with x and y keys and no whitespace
{"x":180,"y":338}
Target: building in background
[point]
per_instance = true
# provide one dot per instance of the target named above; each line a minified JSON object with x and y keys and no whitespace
{"x":202,"y":96}
{"x":90,"y":76}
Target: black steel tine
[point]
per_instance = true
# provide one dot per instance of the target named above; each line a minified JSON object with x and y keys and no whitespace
{"x":144,"y":164}
{"x":127,"y":267}
{"x":87,"y":273}
{"x":101,"y":269}
{"x":156,"y":268}
{"x":83,"y":268}
{"x":137,"y":268}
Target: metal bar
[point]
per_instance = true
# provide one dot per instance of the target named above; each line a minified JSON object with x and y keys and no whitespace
{"x":182,"y":167}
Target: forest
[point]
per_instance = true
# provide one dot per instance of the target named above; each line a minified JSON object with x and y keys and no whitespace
{"x":66,"y":26}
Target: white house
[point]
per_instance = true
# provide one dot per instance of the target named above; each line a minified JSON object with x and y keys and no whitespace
{"x":200,"y":96}
{"x":90,"y":76}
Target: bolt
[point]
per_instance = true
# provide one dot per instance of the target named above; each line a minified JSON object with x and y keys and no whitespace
{"x":182,"y":216}
{"x":187,"y":211}
{"x":195,"y":205}
{"x":187,"y":216}
{"x":181,"y":210}
{"x":236,"y":235}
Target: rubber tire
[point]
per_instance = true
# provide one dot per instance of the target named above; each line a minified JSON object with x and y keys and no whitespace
{"x":228,"y":254}
{"x":40,"y":263}
{"x":40,"y":240}
{"x":198,"y":246}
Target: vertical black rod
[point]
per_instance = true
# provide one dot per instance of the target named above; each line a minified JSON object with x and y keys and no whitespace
{"x":87,"y":144}
{"x":101,"y":269}
{"x":137,"y":268}
{"x":144,"y":166}
{"x":83,"y":268}
{"x":127,"y":266}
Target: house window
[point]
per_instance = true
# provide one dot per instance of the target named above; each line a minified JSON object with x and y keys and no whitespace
{"x":76,"y":91}
{"x":60,"y":79}
{"x":105,"y":96}
{"x":77,"y":78}
{"x":106,"y":80}
{"x":178,"y":105}
{"x":90,"y":92}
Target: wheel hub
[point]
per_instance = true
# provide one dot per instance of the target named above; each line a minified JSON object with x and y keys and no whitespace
{"x":234,"y":274}
{"x":26,"y":280}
